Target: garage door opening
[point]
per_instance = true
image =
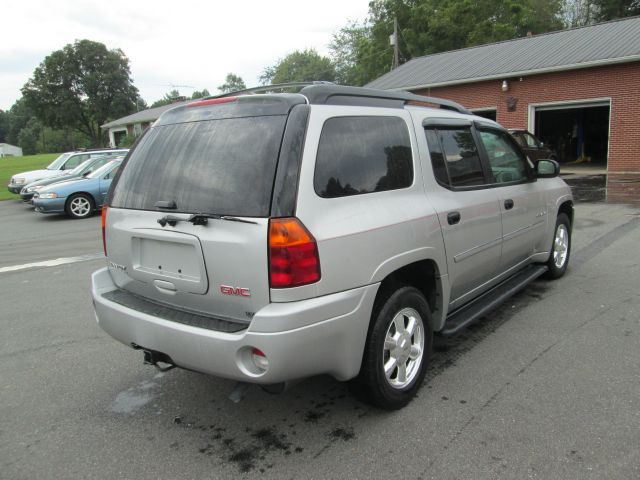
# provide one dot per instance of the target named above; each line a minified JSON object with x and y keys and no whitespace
{"x":578,"y":133}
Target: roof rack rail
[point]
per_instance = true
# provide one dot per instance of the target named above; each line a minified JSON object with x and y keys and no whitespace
{"x":320,"y":92}
{"x":96,"y":149}
{"x":270,"y":88}
{"x":341,"y":95}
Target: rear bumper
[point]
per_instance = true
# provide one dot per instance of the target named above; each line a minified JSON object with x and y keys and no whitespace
{"x":333,"y":344}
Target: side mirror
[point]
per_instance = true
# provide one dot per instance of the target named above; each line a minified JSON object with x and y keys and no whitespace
{"x":547,"y":168}
{"x":86,"y":174}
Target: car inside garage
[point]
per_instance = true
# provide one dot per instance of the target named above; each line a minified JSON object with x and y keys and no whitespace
{"x":578,"y":133}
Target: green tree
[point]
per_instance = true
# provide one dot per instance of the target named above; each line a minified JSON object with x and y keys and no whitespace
{"x":433,"y":26}
{"x":346,"y":47}
{"x":613,"y":9}
{"x":4,"y":126}
{"x":28,"y":137}
{"x":81,"y":87}
{"x":17,"y":118}
{"x":61,"y":140}
{"x":200,"y":94}
{"x":577,"y":13}
{"x":232,"y":83}
{"x":169,"y":97}
{"x":141,"y":104}
{"x":299,"y":66}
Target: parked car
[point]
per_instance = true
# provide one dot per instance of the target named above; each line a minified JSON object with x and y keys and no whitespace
{"x":66,"y":161}
{"x":532,"y":145}
{"x":82,"y":170}
{"x":77,"y":198}
{"x":271,"y":237}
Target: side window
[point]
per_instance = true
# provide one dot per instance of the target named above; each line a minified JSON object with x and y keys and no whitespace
{"x":437,"y":159}
{"x":461,"y":156}
{"x":507,"y":163}
{"x":111,"y":174}
{"x":520,"y":138}
{"x":532,"y":141}
{"x":74,"y":161}
{"x":359,"y":155}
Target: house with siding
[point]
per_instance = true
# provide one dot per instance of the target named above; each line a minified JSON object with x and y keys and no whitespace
{"x":134,"y":124}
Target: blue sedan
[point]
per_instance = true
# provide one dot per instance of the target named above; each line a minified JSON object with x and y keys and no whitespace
{"x":78,"y":198}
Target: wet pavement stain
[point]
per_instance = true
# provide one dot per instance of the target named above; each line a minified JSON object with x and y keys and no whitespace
{"x":611,"y":188}
{"x":313,"y":416}
{"x":135,"y":398}
{"x":342,"y":434}
{"x":250,"y":446}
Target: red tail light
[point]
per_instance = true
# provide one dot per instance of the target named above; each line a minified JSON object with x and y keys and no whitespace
{"x":104,"y":226}
{"x":293,"y":254}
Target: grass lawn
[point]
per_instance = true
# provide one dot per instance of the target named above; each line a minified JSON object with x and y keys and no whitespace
{"x":9,"y":166}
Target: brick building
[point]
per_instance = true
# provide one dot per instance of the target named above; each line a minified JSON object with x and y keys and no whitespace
{"x":578,"y":90}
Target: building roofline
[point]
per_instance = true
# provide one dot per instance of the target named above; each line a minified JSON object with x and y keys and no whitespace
{"x":524,"y":73}
{"x":537,"y":35}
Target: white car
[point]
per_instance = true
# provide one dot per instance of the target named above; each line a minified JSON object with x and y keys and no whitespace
{"x":66,"y":161}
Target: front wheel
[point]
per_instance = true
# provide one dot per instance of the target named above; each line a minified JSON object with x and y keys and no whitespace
{"x":80,"y":205}
{"x":397,"y":350}
{"x":561,"y":248}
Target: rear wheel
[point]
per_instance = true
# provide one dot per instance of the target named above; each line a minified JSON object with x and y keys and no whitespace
{"x":397,"y":350}
{"x":561,"y":247}
{"x":80,"y":205}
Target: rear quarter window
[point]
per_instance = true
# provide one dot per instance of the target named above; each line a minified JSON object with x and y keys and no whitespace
{"x":358,"y":155}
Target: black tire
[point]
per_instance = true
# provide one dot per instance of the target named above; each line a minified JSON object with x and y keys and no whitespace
{"x":372,"y":384}
{"x":557,"y":268}
{"x":80,"y":205}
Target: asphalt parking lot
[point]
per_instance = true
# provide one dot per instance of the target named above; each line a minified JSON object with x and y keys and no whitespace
{"x":547,"y":386}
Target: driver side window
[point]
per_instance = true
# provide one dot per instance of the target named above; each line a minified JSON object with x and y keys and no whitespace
{"x":74,"y":161}
{"x":507,"y":163}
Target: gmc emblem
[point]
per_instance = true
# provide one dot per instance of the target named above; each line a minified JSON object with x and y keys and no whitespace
{"x":237,"y":291}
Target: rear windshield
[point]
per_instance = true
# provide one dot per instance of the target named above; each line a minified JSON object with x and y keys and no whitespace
{"x":222,"y":167}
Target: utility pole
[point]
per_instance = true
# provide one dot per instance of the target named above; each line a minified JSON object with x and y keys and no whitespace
{"x":393,"y":40}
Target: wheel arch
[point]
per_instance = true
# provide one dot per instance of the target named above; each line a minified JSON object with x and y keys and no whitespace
{"x":567,"y":208}
{"x":425,"y":275}
{"x":74,"y":194}
{"x":69,"y":197}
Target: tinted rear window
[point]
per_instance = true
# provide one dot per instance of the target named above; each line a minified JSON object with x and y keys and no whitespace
{"x":216,"y":166}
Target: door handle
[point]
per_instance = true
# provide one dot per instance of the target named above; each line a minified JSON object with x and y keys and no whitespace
{"x":453,"y":218}
{"x":508,"y":204}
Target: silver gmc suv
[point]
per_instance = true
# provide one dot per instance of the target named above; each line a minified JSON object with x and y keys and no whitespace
{"x":270,"y":237}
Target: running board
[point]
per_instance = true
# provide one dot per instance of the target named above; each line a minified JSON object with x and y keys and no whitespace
{"x":467,"y":314}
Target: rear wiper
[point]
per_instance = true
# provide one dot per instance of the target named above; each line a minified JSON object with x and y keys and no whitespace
{"x":200,"y":219}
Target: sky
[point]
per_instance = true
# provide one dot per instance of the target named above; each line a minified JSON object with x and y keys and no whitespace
{"x":188,"y":44}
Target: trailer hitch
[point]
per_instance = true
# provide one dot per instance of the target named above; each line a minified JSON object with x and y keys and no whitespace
{"x":153,"y":358}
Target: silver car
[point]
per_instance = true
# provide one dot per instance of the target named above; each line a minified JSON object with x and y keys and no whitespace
{"x":271,"y":237}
